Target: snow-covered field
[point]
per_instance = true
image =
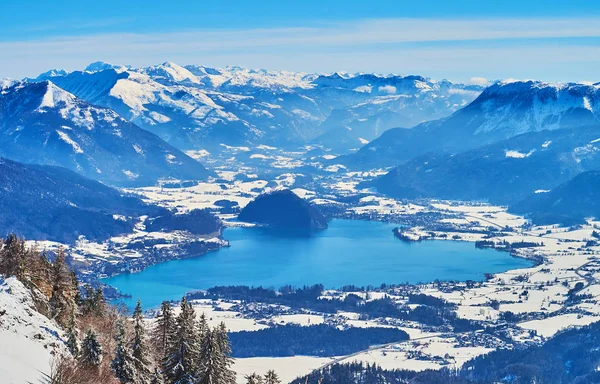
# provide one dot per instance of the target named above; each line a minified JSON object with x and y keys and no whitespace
{"x":288,"y":368}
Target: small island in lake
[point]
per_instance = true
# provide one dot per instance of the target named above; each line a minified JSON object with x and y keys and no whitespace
{"x":283,"y":209}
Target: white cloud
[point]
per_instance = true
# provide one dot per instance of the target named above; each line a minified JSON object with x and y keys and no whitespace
{"x":387,"y":45}
{"x":389,"y":89}
{"x":478,"y":81}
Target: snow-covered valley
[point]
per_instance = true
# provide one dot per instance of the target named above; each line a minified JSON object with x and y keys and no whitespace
{"x":540,"y":297}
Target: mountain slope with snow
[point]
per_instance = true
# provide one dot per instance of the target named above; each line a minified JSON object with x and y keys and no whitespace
{"x":53,"y":203}
{"x":393,"y":101}
{"x":242,"y":80}
{"x":28,"y":339}
{"x":503,"y":110}
{"x":183,"y":115}
{"x":42,"y":123}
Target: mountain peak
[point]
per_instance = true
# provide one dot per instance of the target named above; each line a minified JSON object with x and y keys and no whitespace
{"x":6,"y":82}
{"x":171,"y":64}
{"x":171,"y":72}
{"x":102,"y":65}
{"x":52,"y":73}
{"x":54,"y":95}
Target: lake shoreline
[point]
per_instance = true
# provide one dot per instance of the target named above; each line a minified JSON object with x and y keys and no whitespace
{"x":384,"y":243}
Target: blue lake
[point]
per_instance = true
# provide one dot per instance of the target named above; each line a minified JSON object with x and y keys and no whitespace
{"x":348,"y":252}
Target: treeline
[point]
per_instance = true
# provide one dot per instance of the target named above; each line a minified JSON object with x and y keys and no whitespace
{"x":570,"y":357}
{"x":104,"y":346}
{"x":505,"y":245}
{"x":361,"y":373}
{"x":316,"y":340}
{"x":432,"y":311}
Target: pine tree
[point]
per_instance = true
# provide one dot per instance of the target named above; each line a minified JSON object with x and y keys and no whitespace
{"x":40,"y":268}
{"x":13,"y":258}
{"x":91,"y":350}
{"x":164,"y":329}
{"x":72,"y":342}
{"x":271,"y":378}
{"x":227,"y":376}
{"x":138,"y":346}
{"x":203,"y":327}
{"x":87,"y":303}
{"x":181,"y":364}
{"x":93,"y":303}
{"x":254,"y":379}
{"x":123,"y":363}
{"x":209,"y":372}
{"x":61,"y":301}
{"x":99,"y":302}
{"x":214,"y":366}
{"x":75,"y":287}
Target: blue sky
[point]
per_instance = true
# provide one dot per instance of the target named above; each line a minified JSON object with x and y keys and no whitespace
{"x":549,"y":40}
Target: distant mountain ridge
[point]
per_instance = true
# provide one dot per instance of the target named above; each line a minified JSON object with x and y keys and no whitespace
{"x":197,"y":107}
{"x":42,"y":123}
{"x":503,"y":110}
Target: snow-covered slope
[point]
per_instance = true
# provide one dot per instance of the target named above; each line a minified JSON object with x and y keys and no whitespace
{"x":182,"y":114}
{"x":194,"y":106}
{"x":510,"y":108}
{"x":28,"y":339}
{"x":503,"y":172}
{"x":42,"y":202}
{"x":243,"y":80}
{"x":42,"y":123}
{"x":170,"y":72}
{"x":503,"y":110}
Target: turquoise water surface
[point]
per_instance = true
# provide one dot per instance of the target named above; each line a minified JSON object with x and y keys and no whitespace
{"x":348,"y":252}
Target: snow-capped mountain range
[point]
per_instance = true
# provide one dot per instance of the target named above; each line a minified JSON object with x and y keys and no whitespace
{"x":505,"y":109}
{"x":44,"y":124}
{"x":100,"y":121}
{"x":516,"y":138}
{"x":195,"y":107}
